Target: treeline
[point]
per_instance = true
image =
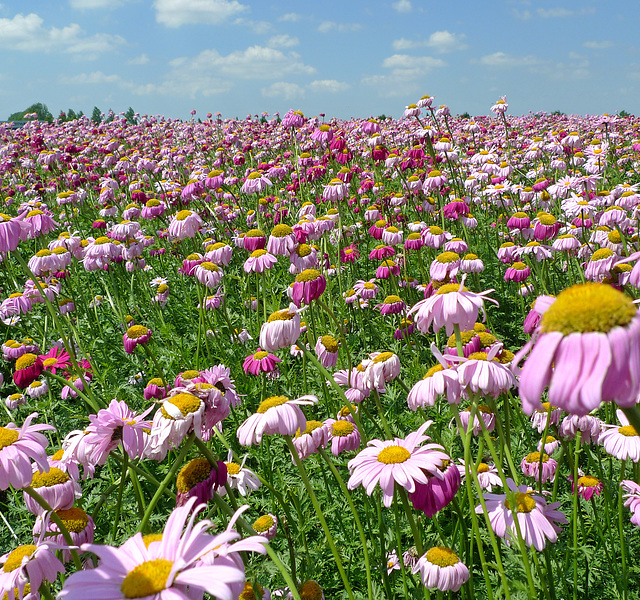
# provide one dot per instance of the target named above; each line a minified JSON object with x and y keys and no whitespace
{"x":42,"y":113}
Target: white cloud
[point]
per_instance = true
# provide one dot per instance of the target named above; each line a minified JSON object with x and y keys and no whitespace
{"x":258,"y":27}
{"x":405,"y":73}
{"x":27,"y":33}
{"x":419,"y":64}
{"x":327,"y":26}
{"x":501,"y":59}
{"x":94,"y":78}
{"x":328,"y":86}
{"x":174,"y":13}
{"x":283,"y":41}
{"x":598,"y":45}
{"x":91,"y":4}
{"x":282,"y":89}
{"x":143,"y":59}
{"x":290,"y":17}
{"x":524,"y":15}
{"x":440,"y":41}
{"x":402,"y":6}
{"x":562,"y":13}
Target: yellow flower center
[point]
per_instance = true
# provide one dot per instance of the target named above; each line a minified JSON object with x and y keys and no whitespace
{"x":588,"y":481}
{"x":44,"y":252}
{"x":192,"y":474}
{"x":392,"y":299}
{"x":103,"y":239}
{"x":232,"y":468}
{"x":74,"y":519}
{"x":534,"y":457}
{"x":209,"y":266}
{"x":187,"y":403}
{"x":442,"y":557}
{"x":53,"y":477}
{"x":7,"y":437}
{"x":263,"y":523}
{"x":47,"y":362}
{"x":383,"y":356}
{"x":524,"y":502}
{"x":483,"y":468}
{"x":547,"y":219}
{"x":308,"y":275}
{"x":260,"y":355}
{"x":311,"y":426}
{"x":519,"y":266}
{"x":150,"y":538}
{"x":433,"y":370}
{"x":310,"y":590}
{"x":330,"y":343}
{"x":601,"y":254}
{"x":470,"y":257}
{"x":588,"y":307}
{"x":14,"y":560}
{"x":147,"y":579}
{"x":249,"y":594}
{"x":162,"y":288}
{"x":183,"y":214}
{"x":137,"y":331}
{"x":393,"y":454}
{"x":614,"y":237}
{"x":627,"y":431}
{"x":447,"y":288}
{"x":25,"y":361}
{"x":254,"y":175}
{"x":342,"y":428}
{"x":281,"y":315}
{"x":303,"y":250}
{"x":281,"y":230}
{"x":447,"y":257}
{"x":271,"y":402}
{"x":435,"y":172}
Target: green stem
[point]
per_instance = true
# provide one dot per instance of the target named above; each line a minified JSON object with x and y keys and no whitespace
{"x":323,"y":522}
{"x":123,"y":477}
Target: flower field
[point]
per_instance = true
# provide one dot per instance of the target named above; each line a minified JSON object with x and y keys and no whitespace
{"x":317,"y":358}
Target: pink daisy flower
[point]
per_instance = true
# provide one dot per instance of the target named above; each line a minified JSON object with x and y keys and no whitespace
{"x":10,"y":233}
{"x":344,"y":435}
{"x":327,"y":351}
{"x":18,"y":447}
{"x":57,"y":488}
{"x":530,"y":466}
{"x":488,"y":476}
{"x":315,"y":435}
{"x":432,"y":497}
{"x":632,"y":499}
{"x":281,"y":330}
{"x":259,"y":261}
{"x":79,"y":524}
{"x":621,"y":441}
{"x":483,"y":374}
{"x":136,"y":334}
{"x":28,"y":565}
{"x":367,"y":290}
{"x":588,"y":486}
{"x":537,"y":519}
{"x":402,"y":461}
{"x":208,"y":274}
{"x":392,"y":305}
{"x":308,"y":285}
{"x":587,"y":351}
{"x":441,"y":569}
{"x":185,"y":224}
{"x":275,"y":415}
{"x":260,"y":362}
{"x":168,"y":569}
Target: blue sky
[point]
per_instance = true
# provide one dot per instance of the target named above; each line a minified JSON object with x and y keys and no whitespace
{"x":345,"y":58}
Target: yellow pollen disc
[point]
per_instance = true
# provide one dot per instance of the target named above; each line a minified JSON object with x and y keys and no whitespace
{"x":101,"y":240}
{"x":549,"y":439}
{"x":342,"y":428}
{"x":588,"y":307}
{"x":59,"y":251}
{"x":393,"y":454}
{"x":7,"y":437}
{"x":183,"y":214}
{"x":193,"y":257}
{"x":281,"y":230}
{"x":254,"y":175}
{"x":392,"y":229}
{"x":249,"y":594}
{"x":53,"y":477}
{"x":413,"y":236}
{"x":137,"y":331}
{"x":534,"y":457}
{"x":209,"y":266}
{"x":311,"y":426}
{"x":433,"y":370}
{"x":25,"y":361}
{"x":392,"y":299}
{"x":260,"y":355}
{"x":470,"y":257}
{"x":524,"y":502}
{"x":152,"y":202}
{"x":258,"y":253}
{"x":47,"y":362}
{"x":383,"y":356}
{"x":34,"y":213}
{"x":330,"y":343}
{"x":547,"y":219}
{"x":435,"y":172}
{"x":601,"y":254}
{"x":263,"y":523}
{"x":447,"y":257}
{"x":588,"y":481}
{"x":156,"y":381}
{"x":58,"y":455}
{"x":303,"y":250}
{"x":308,"y":275}
{"x":450,"y":287}
{"x":466,"y":337}
{"x":478,"y":356}
{"x":442,"y":557}
{"x":14,"y":560}
{"x":310,"y":590}
{"x":532,"y":245}
{"x":187,"y":403}
{"x":74,"y":519}
{"x":486,"y":339}
{"x":162,"y":288}
{"x":627,"y":431}
{"x":44,"y":252}
{"x":271,"y":402}
{"x":281,"y":315}
{"x":194,"y":472}
{"x":483,"y":468}
{"x":614,"y":237}
{"x":519,"y":266}
{"x":190,"y":374}
{"x":232,"y":468}
{"x":147,"y":579}
{"x":150,"y":538}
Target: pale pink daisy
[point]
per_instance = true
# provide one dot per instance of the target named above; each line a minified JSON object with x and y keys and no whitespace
{"x":441,"y":569}
{"x":530,"y":466}
{"x":259,"y":261}
{"x":315,"y":435}
{"x":488,"y":476}
{"x":632,"y":499}
{"x":621,"y":441}
{"x":185,"y":224}
{"x":402,"y":461}
{"x":281,"y":330}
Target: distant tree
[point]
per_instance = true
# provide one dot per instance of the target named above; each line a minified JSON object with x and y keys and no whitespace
{"x":39,"y":109}
{"x":624,"y":113}
{"x":62,"y":116}
{"x":465,"y":115}
{"x":71,"y":115}
{"x":558,"y":113}
{"x":382,"y":117}
{"x":130,"y":116}
{"x":96,"y":115}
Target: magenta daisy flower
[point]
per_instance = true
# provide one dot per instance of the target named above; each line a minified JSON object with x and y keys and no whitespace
{"x":260,"y":362}
{"x":530,"y":466}
{"x":587,"y":351}
{"x":18,"y":447}
{"x":537,"y":519}
{"x":588,"y":486}
{"x":275,"y":415}
{"x":402,"y":461}
{"x":344,"y":434}
{"x":326,"y":350}
{"x":441,"y":569}
{"x":308,"y":285}
{"x":136,"y":334}
{"x":168,"y":569}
